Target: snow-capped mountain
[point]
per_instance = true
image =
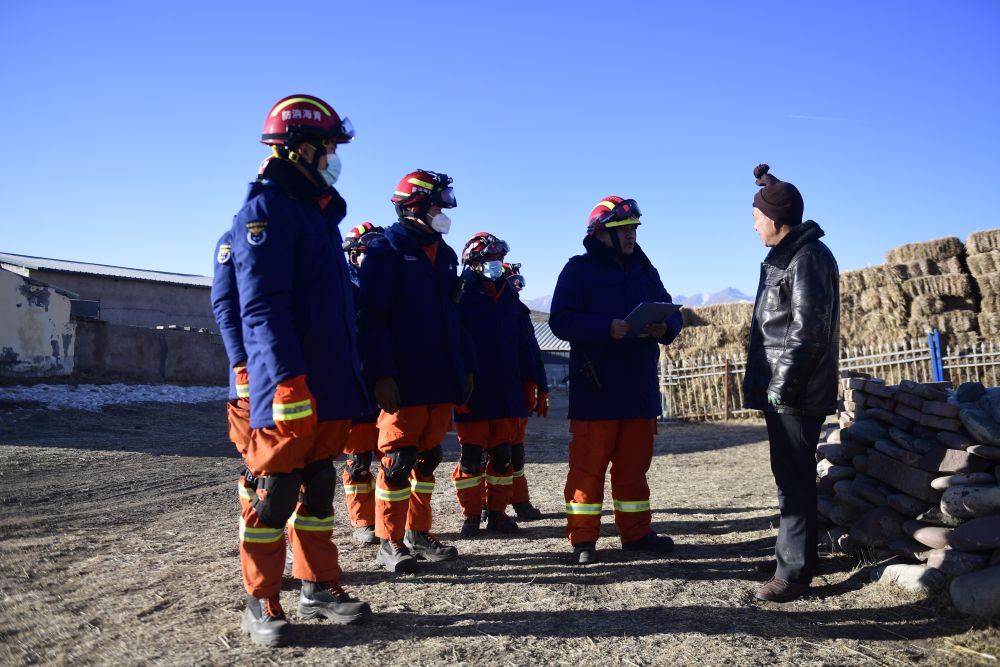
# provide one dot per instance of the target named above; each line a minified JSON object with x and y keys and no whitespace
{"x":728,"y":295}
{"x":542,"y":303}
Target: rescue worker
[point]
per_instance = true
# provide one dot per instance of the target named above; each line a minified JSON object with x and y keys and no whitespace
{"x":791,"y":371}
{"x":505,"y":387}
{"x":614,"y":398}
{"x":305,"y":382}
{"x":359,"y":483}
{"x":415,"y":349}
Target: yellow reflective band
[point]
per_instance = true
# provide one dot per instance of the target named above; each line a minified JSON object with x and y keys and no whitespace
{"x":402,"y":194}
{"x":243,"y":391}
{"x":354,"y":489}
{"x":311,"y":523}
{"x":623,"y":223}
{"x":259,"y":535}
{"x":423,"y":184}
{"x":631,"y":505}
{"x":468,"y":482}
{"x":290,"y":411}
{"x":245,"y":493}
{"x":607,"y":204}
{"x":583,"y":508}
{"x":506,"y":480}
{"x":391,"y":496}
{"x":519,"y":473}
{"x":293,"y":100}
{"x":421,"y":487}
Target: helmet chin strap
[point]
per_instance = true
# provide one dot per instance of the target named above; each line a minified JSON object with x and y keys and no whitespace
{"x":615,"y":243}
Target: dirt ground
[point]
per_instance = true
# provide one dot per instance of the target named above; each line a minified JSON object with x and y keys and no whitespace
{"x":119,"y":547}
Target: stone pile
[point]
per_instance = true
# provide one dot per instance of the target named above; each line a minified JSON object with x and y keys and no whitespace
{"x":913,"y":471}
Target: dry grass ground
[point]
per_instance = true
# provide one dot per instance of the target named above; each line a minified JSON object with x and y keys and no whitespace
{"x":119,"y":548}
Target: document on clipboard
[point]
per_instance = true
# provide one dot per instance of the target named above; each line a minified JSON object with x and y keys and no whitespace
{"x":651,"y":312}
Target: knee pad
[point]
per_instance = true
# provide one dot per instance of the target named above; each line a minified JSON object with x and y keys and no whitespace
{"x":517,"y":456}
{"x":428,"y":461}
{"x":501,"y":457}
{"x":281,"y":492}
{"x":471,"y":461}
{"x":401,"y":461}
{"x":320,"y":482}
{"x":359,"y":466}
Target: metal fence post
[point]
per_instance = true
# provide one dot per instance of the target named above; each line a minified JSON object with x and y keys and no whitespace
{"x":934,"y":343}
{"x":725,"y":379}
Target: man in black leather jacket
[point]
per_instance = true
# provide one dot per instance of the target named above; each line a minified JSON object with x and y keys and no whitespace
{"x":791,"y":370}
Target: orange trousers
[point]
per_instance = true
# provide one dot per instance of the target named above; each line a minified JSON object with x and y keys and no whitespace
{"x":238,"y":417}
{"x":495,"y":486}
{"x":262,"y":547}
{"x":359,"y":494}
{"x":398,"y":509}
{"x":626,"y":444}
{"x":520,"y":494}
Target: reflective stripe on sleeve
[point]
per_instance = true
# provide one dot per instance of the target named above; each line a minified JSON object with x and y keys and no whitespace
{"x":289,"y":411}
{"x":243,"y":390}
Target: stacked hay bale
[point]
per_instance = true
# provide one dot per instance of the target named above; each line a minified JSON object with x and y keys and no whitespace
{"x":712,"y":330}
{"x":873,"y":305}
{"x":984,"y":265}
{"x":914,"y":471}
{"x":938,"y":288}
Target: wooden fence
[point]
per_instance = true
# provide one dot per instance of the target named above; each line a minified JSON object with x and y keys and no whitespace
{"x":712,"y":387}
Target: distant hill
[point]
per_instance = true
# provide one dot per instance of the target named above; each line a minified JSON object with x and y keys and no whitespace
{"x":728,"y":295}
{"x":542,"y":303}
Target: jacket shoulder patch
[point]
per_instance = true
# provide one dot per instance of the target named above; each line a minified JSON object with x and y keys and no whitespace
{"x":256,"y":232}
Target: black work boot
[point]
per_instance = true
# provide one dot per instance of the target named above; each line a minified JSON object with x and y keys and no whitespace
{"x":365,"y":535}
{"x":264,"y":620}
{"x":470,"y":527}
{"x":330,"y":600}
{"x":650,"y":542}
{"x":427,"y":547}
{"x":499,"y":522}
{"x":585,"y":553}
{"x":396,"y":557}
{"x":526,"y":511}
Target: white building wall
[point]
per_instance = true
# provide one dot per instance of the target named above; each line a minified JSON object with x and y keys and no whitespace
{"x":36,"y":332}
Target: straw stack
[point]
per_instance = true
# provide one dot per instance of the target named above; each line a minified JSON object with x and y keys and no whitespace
{"x":712,"y":330}
{"x":873,"y":305}
{"x":984,"y":265}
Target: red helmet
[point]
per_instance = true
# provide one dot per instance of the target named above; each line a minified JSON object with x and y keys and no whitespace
{"x":514,"y":277}
{"x":612,"y":212}
{"x":358,"y":238}
{"x":482,"y":246}
{"x":424,"y":187}
{"x":299,"y":118}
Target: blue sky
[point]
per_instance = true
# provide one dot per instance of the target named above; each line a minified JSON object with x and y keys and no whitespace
{"x":132,"y":128}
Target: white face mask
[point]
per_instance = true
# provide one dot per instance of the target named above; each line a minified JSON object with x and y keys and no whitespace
{"x":441,"y":223}
{"x":492,"y":269}
{"x":332,"y":171}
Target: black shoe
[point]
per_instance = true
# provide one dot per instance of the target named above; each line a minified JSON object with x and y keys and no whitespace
{"x":470,"y":527}
{"x":651,"y":542}
{"x":499,"y":522}
{"x":526,"y":511}
{"x":585,"y":552}
{"x":427,"y":547}
{"x":779,"y":590}
{"x":264,"y":620}
{"x":396,"y":557}
{"x":330,"y":600}
{"x":365,"y":535}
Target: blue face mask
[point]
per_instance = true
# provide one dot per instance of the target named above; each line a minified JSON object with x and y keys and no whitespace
{"x":492,"y":269}
{"x":332,"y":171}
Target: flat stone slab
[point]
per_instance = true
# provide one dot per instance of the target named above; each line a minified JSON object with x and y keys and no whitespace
{"x":955,"y":563}
{"x":963,"y":479}
{"x":955,"y":440}
{"x":907,"y":505}
{"x":941,"y":423}
{"x":987,"y":452}
{"x":980,"y":426}
{"x":864,"y":431}
{"x":952,"y":460}
{"x":907,"y":412}
{"x":982,"y":534}
{"x":879,"y":388}
{"x":936,"y":517}
{"x":940,"y":409}
{"x":913,"y":578}
{"x":912,"y":400}
{"x":931,"y":391}
{"x":871,"y":490}
{"x":876,"y":527}
{"x":977,"y":593}
{"x":936,"y":537}
{"x":889,"y":448}
{"x":908,"y":548}
{"x":909,"y":480}
{"x":969,"y":502}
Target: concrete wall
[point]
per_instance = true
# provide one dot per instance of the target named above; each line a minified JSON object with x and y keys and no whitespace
{"x":115,"y":351}
{"x":138,"y":302}
{"x":36,"y":333}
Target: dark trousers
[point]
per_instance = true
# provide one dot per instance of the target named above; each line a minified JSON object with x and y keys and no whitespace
{"x":793,"y":441}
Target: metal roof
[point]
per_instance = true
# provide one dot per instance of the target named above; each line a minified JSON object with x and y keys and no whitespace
{"x":14,"y":262}
{"x":547,"y":340}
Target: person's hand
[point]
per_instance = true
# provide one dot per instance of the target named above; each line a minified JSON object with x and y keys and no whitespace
{"x":242,"y":382}
{"x":470,"y":386}
{"x":773,"y":399}
{"x":619,"y":329}
{"x":655,"y":330}
{"x":293,"y":408}
{"x":530,"y":392}
{"x":387,"y":394}
{"x":542,"y":406}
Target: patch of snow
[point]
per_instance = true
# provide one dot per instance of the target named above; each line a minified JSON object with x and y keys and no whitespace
{"x":94,"y":397}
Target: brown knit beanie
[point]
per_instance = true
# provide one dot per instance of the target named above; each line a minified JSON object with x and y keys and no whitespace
{"x":776,"y":199}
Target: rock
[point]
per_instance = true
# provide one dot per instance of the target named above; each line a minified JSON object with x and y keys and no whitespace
{"x":907,"y":505}
{"x":907,"y":412}
{"x":825,"y":506}
{"x":831,"y":540}
{"x":845,"y":420}
{"x":936,"y":517}
{"x":876,"y":527}
{"x":860,"y":463}
{"x":936,"y":537}
{"x":888,"y":448}
{"x":952,"y":460}
{"x":943,"y":483}
{"x":985,"y":451}
{"x":884,"y":415}
{"x":908,"y":548}
{"x":955,"y":563}
{"x":982,"y":534}
{"x":970,"y":392}
{"x":977,"y":593}
{"x":834,"y":472}
{"x":968,"y":502}
{"x":864,"y":431}
{"x":941,"y":423}
{"x":911,"y":400}
{"x":912,"y":481}
{"x":913,"y":578}
{"x":984,"y":430}
{"x":940,"y":409}
{"x":824,"y":486}
{"x":990,"y":403}
{"x":879,"y":388}
{"x":871,"y":490}
{"x":843,"y":516}
{"x":834,"y":436}
{"x":856,"y":383}
{"x":955,"y":440}
{"x":995,"y":558}
{"x":855,"y":502}
{"x":931,"y":391}
{"x":840,"y":453}
{"x":924,"y":432}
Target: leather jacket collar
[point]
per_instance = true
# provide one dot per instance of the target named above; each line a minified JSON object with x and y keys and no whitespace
{"x":782,"y":254}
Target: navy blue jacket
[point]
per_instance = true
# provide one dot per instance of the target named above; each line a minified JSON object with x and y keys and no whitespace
{"x":504,"y":358}
{"x":298,"y":311}
{"x":369,"y":412}
{"x":410,"y":326}
{"x":226,"y":307}
{"x":536,"y":351}
{"x":592,"y":290}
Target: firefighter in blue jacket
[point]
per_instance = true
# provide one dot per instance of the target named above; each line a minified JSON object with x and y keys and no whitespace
{"x":614,"y":399}
{"x":505,"y":387}
{"x":419,"y":360}
{"x":305,"y":382}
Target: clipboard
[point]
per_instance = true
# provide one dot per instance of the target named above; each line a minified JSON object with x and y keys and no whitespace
{"x":651,"y":312}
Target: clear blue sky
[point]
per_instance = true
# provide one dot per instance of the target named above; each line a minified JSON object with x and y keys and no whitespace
{"x":132,"y":128}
